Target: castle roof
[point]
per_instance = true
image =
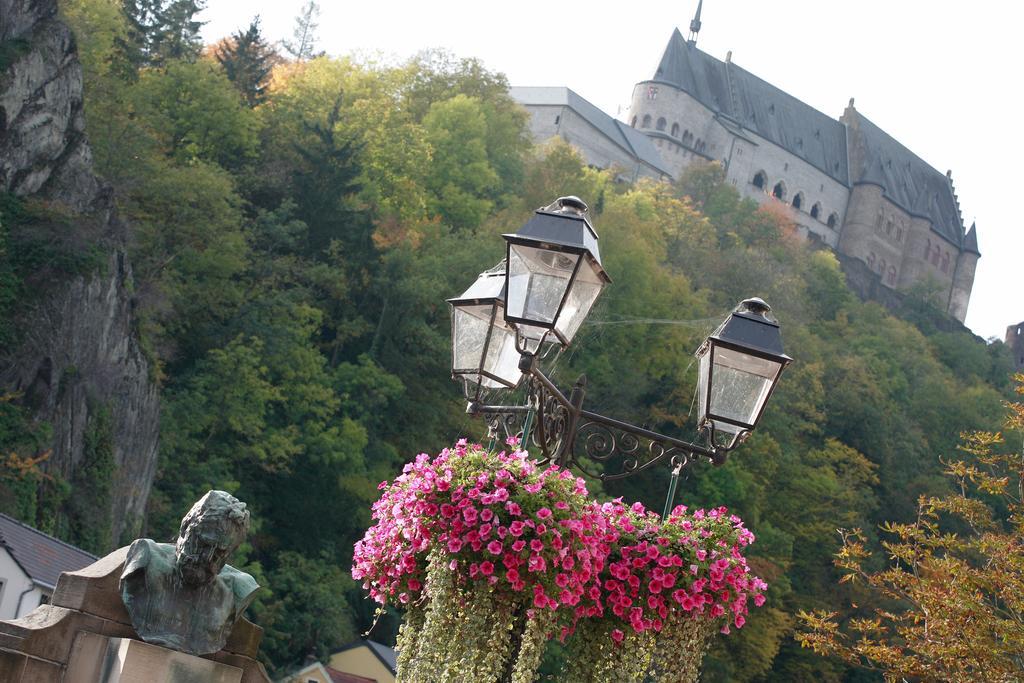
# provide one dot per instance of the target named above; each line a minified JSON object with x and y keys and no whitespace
{"x":756,"y":105}
{"x":629,"y":139}
{"x":912,"y":184}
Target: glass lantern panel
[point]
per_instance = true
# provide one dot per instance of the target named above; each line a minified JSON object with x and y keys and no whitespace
{"x":582,"y":295}
{"x":502,"y":358}
{"x":537,"y":280}
{"x":740,"y":384}
{"x":469,"y":334}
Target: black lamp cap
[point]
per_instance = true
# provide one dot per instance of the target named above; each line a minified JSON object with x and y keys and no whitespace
{"x":751,"y":329}
{"x":564,"y":225}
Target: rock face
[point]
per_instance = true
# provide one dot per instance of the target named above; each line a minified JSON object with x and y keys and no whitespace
{"x":80,"y":353}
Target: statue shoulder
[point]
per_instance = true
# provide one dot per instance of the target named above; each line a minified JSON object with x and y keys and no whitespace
{"x":243,"y":586}
{"x":145,"y":551}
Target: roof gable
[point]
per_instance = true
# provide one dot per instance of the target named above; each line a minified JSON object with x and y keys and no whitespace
{"x":635,"y":143}
{"x":909,"y":181}
{"x":757,"y":106}
{"x":41,"y":556}
{"x":385,"y":654}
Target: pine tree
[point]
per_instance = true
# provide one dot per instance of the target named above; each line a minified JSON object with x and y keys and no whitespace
{"x":159,"y":30}
{"x":305,"y":32}
{"x":247,"y":60}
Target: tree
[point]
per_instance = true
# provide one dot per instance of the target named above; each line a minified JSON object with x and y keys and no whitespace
{"x":247,"y":60}
{"x":304,"y":44}
{"x":953,"y":593}
{"x":161,"y":30}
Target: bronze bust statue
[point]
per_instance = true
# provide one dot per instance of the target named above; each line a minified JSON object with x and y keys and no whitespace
{"x":184,"y":596}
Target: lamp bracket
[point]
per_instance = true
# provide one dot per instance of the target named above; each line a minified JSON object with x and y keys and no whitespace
{"x":569,"y":436}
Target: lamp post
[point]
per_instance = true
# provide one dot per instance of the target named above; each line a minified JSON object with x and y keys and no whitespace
{"x":541,"y":294}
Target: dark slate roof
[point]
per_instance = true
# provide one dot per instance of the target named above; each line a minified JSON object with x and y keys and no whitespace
{"x":631,"y":140}
{"x":41,"y":556}
{"x":910,"y":182}
{"x":971,"y":240}
{"x":385,"y":654}
{"x":757,"y":106}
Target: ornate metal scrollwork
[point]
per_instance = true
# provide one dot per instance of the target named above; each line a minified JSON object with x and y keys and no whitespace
{"x":604,"y":443}
{"x":553,"y":422}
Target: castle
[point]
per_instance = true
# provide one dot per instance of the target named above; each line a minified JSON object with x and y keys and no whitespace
{"x":846,"y":182}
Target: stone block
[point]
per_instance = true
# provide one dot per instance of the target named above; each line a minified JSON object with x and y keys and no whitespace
{"x":94,"y":589}
{"x":40,"y":671}
{"x":245,"y":638}
{"x":12,"y":664}
{"x":48,"y":631}
{"x":97,"y":659}
{"x":252,"y":670}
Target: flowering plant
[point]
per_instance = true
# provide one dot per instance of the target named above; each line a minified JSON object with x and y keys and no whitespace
{"x":494,"y":524}
{"x":667,"y":582}
{"x":490,"y":552}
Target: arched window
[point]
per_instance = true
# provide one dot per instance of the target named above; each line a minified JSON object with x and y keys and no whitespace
{"x":779,"y":191}
{"x":675,"y":130}
{"x":687,"y":137}
{"x":816,"y":210}
{"x":881,"y":268}
{"x":888,"y":228}
{"x":661,"y":123}
{"x":899,"y":234}
{"x":935,"y":255}
{"x":928,"y":249}
{"x":632,"y":124}
{"x":833,"y":220}
{"x":647,"y":121}
{"x":945,"y":262}
{"x":798,"y":200}
{"x":892,"y":276}
{"x":871,"y":260}
{"x":760,"y":179}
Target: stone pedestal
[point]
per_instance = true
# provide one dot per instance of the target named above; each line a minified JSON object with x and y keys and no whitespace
{"x":100,"y":659}
{"x":86,"y":616}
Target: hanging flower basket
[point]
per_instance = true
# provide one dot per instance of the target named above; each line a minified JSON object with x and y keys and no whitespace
{"x":493,"y":556}
{"x":489,"y":551}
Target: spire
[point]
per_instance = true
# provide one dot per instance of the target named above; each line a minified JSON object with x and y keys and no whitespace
{"x":695,"y":24}
{"x":971,"y":240}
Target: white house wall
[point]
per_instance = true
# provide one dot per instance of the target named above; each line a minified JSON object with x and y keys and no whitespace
{"x":15,"y":582}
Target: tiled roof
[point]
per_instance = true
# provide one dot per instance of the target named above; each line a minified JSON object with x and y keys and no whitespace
{"x":342,"y":677}
{"x":41,"y":556}
{"x":756,"y":105}
{"x":635,"y":143}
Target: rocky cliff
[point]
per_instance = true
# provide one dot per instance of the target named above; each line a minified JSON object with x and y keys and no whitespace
{"x":78,"y":359}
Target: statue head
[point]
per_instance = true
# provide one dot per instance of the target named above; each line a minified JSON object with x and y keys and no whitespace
{"x":212,"y":530}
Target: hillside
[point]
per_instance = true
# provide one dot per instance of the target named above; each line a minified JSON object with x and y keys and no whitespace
{"x":294,"y":228}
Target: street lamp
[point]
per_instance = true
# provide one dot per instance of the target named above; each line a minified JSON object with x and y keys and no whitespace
{"x":484,"y":354}
{"x":553,"y":271}
{"x":739,"y":365}
{"x":551,"y":277}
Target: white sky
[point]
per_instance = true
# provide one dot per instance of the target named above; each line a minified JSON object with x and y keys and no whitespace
{"x":942,"y":77}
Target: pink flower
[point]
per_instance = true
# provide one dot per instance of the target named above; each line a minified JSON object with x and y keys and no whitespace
{"x":618,"y":635}
{"x":486,"y":567}
{"x":494,"y":547}
{"x":544,"y":513}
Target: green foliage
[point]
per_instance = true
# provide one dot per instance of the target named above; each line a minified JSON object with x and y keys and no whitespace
{"x":196,"y":113}
{"x":88,"y":511}
{"x":161,"y":30}
{"x":247,"y":60}
{"x":312,"y":616}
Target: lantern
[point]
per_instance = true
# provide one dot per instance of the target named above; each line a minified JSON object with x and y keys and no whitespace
{"x":484,"y":351}
{"x":739,"y":365}
{"x":553,"y":272}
